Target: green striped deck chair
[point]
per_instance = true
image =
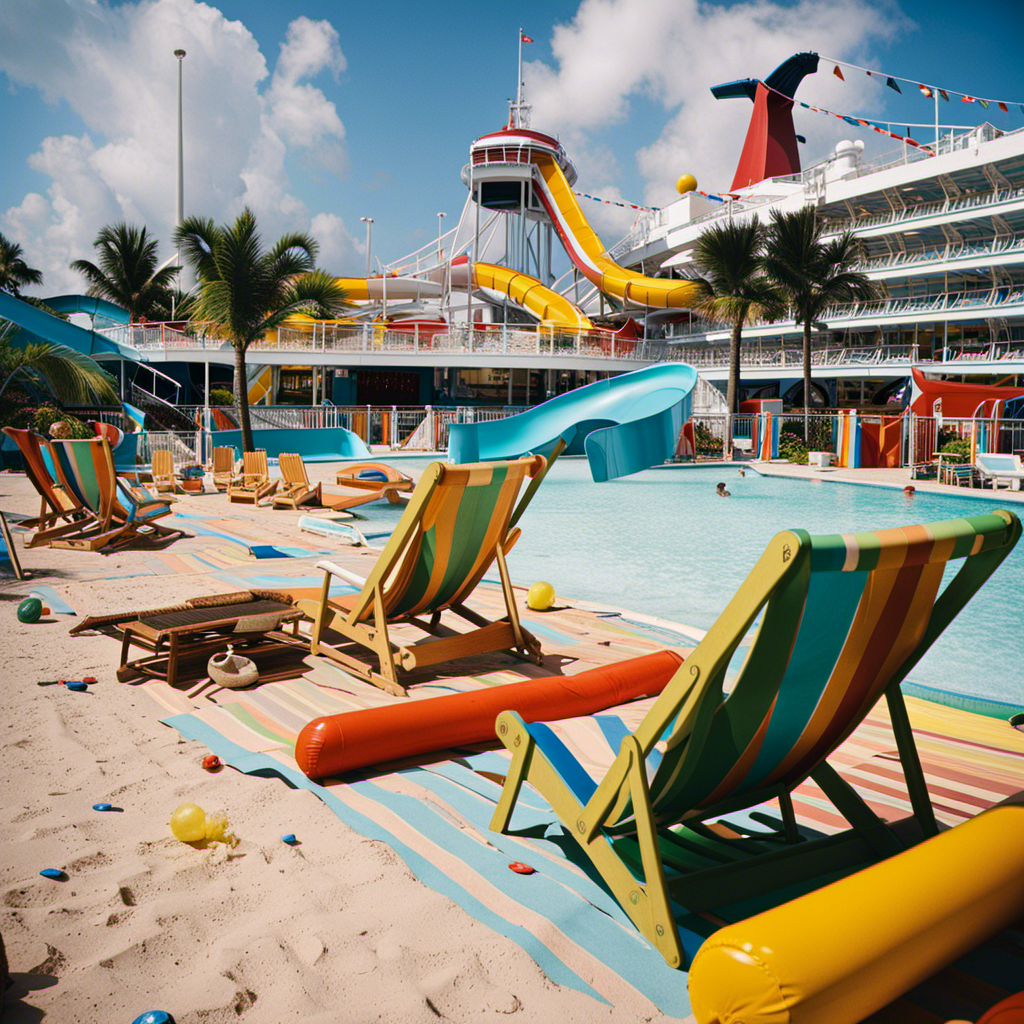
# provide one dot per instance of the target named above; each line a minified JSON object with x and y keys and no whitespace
{"x":62,"y":512}
{"x":457,"y":523}
{"x":838,"y":620}
{"x":125,"y":515}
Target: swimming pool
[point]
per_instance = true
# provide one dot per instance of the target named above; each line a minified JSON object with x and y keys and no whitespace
{"x":663,"y":543}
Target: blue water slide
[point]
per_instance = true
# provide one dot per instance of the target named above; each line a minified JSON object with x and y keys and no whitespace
{"x":319,"y":444}
{"x":623,"y":424}
{"x":38,"y":325}
{"x":88,"y":304}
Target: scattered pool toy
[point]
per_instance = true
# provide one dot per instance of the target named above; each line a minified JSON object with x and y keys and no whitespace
{"x":540,"y":597}
{"x":289,"y":838}
{"x":154,"y":1017}
{"x":55,"y":873}
{"x":102,"y":807}
{"x":212,"y":762}
{"x":78,"y":685}
{"x":191,"y":824}
{"x":30,"y":610}
{"x":520,"y":868}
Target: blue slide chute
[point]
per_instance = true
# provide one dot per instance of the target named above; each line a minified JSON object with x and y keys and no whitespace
{"x":624,"y":424}
{"x":47,"y":327}
{"x":88,"y":304}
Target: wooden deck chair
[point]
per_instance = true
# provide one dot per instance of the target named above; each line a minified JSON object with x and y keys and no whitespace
{"x":254,"y":484}
{"x":843,"y":619}
{"x":456,"y":524}
{"x":366,"y":482}
{"x":125,"y":514}
{"x":223,"y":467}
{"x":164,"y":477}
{"x":296,"y":489}
{"x":62,"y":512}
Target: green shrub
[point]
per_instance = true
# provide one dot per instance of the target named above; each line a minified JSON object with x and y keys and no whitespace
{"x":221,"y":396}
{"x":792,"y":447}
{"x":46,"y":415}
{"x":957,"y":446}
{"x":704,"y":442}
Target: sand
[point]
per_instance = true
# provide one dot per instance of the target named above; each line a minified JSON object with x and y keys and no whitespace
{"x":334,"y":929}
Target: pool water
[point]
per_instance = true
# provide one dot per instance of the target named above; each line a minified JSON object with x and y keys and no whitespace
{"x":664,"y":543}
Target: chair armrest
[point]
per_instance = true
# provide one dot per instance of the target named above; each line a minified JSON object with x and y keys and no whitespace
{"x":336,"y":570}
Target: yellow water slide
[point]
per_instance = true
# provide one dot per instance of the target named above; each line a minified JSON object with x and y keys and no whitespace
{"x":550,"y":308}
{"x":587,"y":251}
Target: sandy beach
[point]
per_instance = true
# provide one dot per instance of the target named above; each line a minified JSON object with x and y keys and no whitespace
{"x":336,"y":928}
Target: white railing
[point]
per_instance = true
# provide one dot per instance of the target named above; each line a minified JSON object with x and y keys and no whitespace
{"x":948,"y":254}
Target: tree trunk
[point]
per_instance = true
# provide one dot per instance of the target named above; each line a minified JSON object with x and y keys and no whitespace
{"x":242,"y":399}
{"x":732,"y":394}
{"x":807,"y":381}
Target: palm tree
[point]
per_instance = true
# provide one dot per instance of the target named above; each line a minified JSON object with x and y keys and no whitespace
{"x":244,"y":291}
{"x":71,"y":377}
{"x":813,"y":275}
{"x":734,"y":289}
{"x":14,"y":271}
{"x":127,"y":273}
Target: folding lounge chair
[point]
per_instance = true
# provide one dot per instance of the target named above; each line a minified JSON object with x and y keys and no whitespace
{"x":124,"y":514}
{"x":368,"y":481}
{"x":223,"y":468}
{"x":164,"y":477}
{"x":457,"y":523}
{"x":843,"y":619}
{"x":997,"y":469}
{"x":296,"y":488}
{"x":255,"y":483}
{"x":62,"y":512}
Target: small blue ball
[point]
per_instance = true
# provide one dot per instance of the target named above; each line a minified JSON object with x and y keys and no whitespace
{"x":154,"y":1017}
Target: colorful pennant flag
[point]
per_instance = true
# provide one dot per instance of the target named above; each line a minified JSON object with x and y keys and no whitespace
{"x":944,"y":95}
{"x":984,"y":103}
{"x":613,"y":202}
{"x":1003,"y":107}
{"x":966,"y":99}
{"x":891,"y":82}
{"x":524,"y":38}
{"x":838,"y":73}
{"x":925,"y":91}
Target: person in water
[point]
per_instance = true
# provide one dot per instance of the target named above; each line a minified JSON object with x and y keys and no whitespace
{"x":743,"y":472}
{"x":721,"y":491}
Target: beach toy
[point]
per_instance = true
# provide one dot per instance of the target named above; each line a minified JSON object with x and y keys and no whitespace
{"x":232,"y":670}
{"x":1008,"y":1011}
{"x":102,"y":807}
{"x":289,"y":838}
{"x":334,"y":744}
{"x":686,"y":183}
{"x":54,"y":873}
{"x":191,"y":824}
{"x":212,"y":762}
{"x":154,"y":1017}
{"x":78,"y":685}
{"x":30,"y":610}
{"x":540,"y":597}
{"x":520,"y":868}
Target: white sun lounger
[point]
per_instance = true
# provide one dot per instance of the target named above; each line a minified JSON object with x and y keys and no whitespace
{"x":1000,"y":469}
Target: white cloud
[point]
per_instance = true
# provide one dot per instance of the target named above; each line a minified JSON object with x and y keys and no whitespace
{"x":616,"y":54}
{"x":114,"y":68}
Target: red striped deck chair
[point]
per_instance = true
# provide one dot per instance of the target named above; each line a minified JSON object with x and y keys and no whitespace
{"x":456,"y":525}
{"x":838,"y":621}
{"x":124,"y":515}
{"x":62,"y":512}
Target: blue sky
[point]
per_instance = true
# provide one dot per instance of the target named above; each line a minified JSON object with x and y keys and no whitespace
{"x":318,"y":113}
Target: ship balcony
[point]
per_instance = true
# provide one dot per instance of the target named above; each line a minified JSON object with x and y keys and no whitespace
{"x":940,"y":259}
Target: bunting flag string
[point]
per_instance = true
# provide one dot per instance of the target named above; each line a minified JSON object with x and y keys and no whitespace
{"x":614,"y":202}
{"x":928,"y":91}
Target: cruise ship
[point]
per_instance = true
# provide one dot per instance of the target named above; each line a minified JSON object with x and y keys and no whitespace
{"x":482,"y":317}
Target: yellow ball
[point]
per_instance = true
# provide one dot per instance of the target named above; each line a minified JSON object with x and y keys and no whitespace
{"x":188,"y":823}
{"x":540,"y":597}
{"x":686,"y":183}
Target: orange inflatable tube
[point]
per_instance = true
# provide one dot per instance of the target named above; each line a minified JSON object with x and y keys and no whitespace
{"x":334,"y":744}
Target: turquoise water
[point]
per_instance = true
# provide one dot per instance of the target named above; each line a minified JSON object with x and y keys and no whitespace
{"x":663,"y":543}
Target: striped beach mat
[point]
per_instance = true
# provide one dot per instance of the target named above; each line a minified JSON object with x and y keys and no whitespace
{"x":435,"y":814}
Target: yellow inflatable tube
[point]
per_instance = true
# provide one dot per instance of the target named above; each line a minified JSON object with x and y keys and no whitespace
{"x":841,"y":953}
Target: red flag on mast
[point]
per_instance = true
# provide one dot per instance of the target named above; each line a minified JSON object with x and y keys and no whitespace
{"x":524,"y":38}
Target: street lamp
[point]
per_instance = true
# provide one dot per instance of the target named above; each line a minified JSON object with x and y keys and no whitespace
{"x":440,"y":216}
{"x":367,"y":221}
{"x":179,"y":210}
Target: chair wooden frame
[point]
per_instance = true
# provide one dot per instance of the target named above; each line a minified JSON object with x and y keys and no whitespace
{"x":254,"y":484}
{"x":165,"y":478}
{"x":224,"y":467}
{"x":295,"y":489}
{"x":428,"y":567}
{"x":799,"y":694}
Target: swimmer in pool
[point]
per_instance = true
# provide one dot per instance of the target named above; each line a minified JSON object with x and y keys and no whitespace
{"x":721,"y":491}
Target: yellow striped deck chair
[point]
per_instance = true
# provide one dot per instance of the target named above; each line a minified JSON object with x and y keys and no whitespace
{"x":164,"y":477}
{"x":254,"y":484}
{"x":223,"y":467}
{"x":295,"y":489}
{"x":124,"y":514}
{"x":457,"y":523}
{"x":839,"y":620}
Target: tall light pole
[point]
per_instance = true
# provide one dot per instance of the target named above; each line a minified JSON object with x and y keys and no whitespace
{"x":367,"y":221}
{"x":440,"y":216}
{"x":179,"y":208}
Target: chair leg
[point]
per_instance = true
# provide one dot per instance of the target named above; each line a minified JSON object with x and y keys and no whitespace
{"x":523,"y":746}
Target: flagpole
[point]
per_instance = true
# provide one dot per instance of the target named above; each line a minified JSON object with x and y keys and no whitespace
{"x":935,"y":93}
{"x":519,"y":81}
